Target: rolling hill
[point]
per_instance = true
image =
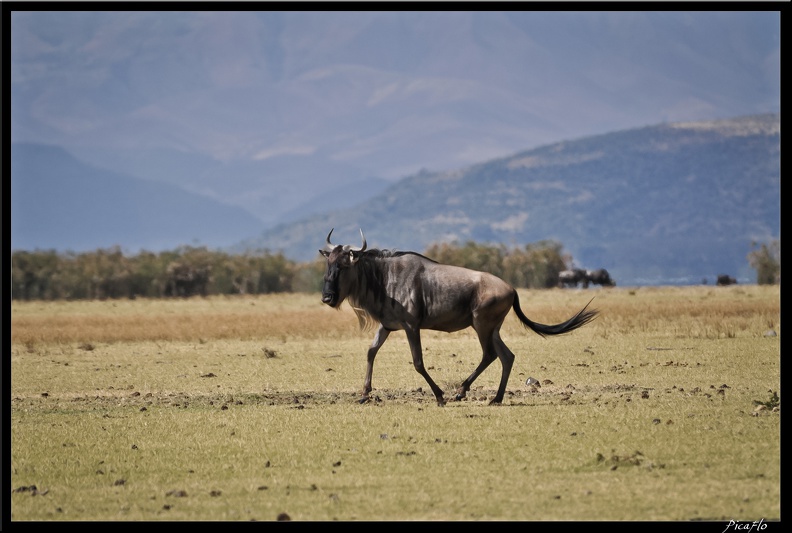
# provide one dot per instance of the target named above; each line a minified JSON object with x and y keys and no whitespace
{"x":60,"y":203}
{"x":674,"y":203}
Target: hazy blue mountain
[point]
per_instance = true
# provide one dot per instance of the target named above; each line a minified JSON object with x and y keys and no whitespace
{"x":268,"y":110}
{"x":275,"y":189}
{"x":59,"y":202}
{"x":338,"y":198}
{"x":671,"y":203}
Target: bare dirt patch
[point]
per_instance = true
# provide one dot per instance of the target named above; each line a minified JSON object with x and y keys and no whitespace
{"x":535,"y":394}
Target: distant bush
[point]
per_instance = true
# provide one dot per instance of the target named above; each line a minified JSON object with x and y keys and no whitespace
{"x":766,"y":260}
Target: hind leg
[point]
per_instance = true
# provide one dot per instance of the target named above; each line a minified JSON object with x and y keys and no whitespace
{"x":487,"y":320}
{"x":486,"y":359}
{"x":488,"y":355}
{"x":507,"y":361}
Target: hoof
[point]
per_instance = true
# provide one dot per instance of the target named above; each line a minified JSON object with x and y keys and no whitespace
{"x":364,"y":399}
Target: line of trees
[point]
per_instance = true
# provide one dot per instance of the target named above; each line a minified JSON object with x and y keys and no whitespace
{"x":186,"y":271}
{"x":190,"y":271}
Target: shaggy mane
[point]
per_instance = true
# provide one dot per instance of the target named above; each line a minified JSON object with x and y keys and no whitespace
{"x":370,"y":286}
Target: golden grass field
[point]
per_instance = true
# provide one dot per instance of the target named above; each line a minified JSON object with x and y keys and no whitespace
{"x":244,"y":408}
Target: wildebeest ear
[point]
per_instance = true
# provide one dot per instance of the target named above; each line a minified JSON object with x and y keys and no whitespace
{"x":324,"y":253}
{"x":354,"y":256}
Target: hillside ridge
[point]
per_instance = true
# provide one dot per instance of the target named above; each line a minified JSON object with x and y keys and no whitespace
{"x":669,"y":203}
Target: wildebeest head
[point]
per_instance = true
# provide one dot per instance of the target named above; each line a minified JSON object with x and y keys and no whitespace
{"x":338,"y":276}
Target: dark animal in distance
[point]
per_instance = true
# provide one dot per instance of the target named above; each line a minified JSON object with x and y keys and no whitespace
{"x":725,"y":279}
{"x":410,"y":292}
{"x":600,"y":277}
{"x":575,"y":276}
{"x":186,"y":280}
{"x":571,"y":278}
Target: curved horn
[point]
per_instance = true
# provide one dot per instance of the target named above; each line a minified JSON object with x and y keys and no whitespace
{"x":349,"y":248}
{"x":328,"y":245}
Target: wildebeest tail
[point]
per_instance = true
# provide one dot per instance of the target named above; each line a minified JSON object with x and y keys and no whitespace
{"x":582,"y":318}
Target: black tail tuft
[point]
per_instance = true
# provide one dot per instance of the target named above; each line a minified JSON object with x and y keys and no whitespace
{"x":582,"y":318}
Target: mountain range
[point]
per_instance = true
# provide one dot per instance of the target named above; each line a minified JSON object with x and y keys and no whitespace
{"x":269,"y":110}
{"x":674,"y":203}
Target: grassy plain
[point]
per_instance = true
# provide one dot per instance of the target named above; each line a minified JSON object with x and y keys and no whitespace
{"x":244,"y":408}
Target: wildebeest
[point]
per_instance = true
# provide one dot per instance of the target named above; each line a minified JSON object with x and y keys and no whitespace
{"x":571,"y":278}
{"x":725,"y":279}
{"x":187,"y":280}
{"x":600,"y":277}
{"x":410,"y":292}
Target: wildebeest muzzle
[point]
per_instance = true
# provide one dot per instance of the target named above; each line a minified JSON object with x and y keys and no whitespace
{"x":330,"y":287}
{"x":329,"y":297}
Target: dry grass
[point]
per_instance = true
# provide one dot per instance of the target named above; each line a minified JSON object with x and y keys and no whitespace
{"x":276,"y":316}
{"x":245,"y":408}
{"x":705,"y":312}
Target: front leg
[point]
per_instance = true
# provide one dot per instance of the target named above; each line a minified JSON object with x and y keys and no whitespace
{"x":414,"y":338}
{"x":379,"y":339}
